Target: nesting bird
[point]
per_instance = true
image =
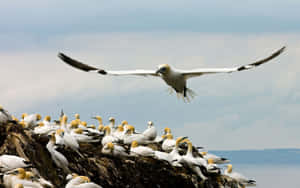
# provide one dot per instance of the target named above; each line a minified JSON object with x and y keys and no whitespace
{"x":11,"y":162}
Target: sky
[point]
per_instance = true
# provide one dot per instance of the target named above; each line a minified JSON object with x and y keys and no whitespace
{"x":254,"y":109}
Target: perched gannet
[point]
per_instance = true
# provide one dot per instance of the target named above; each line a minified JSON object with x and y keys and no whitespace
{"x":169,"y":143}
{"x":59,"y":159}
{"x":31,"y":120}
{"x":173,"y":77}
{"x":130,"y":136}
{"x":124,"y":123}
{"x":197,"y":164}
{"x":68,"y":139}
{"x":47,"y":120}
{"x":111,"y":124}
{"x":212,"y":167}
{"x":216,"y":159}
{"x":10,"y":162}
{"x":114,"y":149}
{"x":136,"y":150}
{"x":239,"y":177}
{"x":167,"y":130}
{"x":12,"y":179}
{"x":119,"y":133}
{"x":175,"y":156}
{"x":150,"y":132}
{"x":81,"y":182}
{"x":160,"y":155}
{"x":5,"y":117}
{"x":108,"y":136}
{"x":100,"y":125}
{"x":80,"y":137}
{"x":77,"y":117}
{"x":45,"y":129}
{"x":33,"y":181}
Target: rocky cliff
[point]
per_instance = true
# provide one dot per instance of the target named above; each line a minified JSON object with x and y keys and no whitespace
{"x":107,"y":171}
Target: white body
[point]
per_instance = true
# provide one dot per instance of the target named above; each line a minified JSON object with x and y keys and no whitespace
{"x":59,"y":159}
{"x":10,"y":162}
{"x":141,"y":151}
{"x":168,"y":145}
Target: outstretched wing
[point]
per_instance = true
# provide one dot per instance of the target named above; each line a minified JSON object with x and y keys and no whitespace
{"x":198,"y":72}
{"x":88,"y":68}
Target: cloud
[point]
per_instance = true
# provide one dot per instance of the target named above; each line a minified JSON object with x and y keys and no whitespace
{"x":69,"y":17}
{"x":233,"y":109}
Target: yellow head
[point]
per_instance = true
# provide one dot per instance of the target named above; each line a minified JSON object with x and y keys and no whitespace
{"x":1,"y":108}
{"x":74,"y":175}
{"x":169,"y":136}
{"x":100,"y":127}
{"x":60,"y":132}
{"x":92,"y":126}
{"x":110,"y":145}
{"x":47,"y":118}
{"x":99,"y":119}
{"x":163,"y":69}
{"x":84,"y":123}
{"x":112,"y":120}
{"x":41,"y":124}
{"x":78,"y":131}
{"x":14,"y":118}
{"x":23,"y":124}
{"x":19,"y":186}
{"x":210,"y":161}
{"x":74,"y":124}
{"x":38,"y":117}
{"x":29,"y":175}
{"x":203,"y":153}
{"x":134,"y":144}
{"x":77,"y":116}
{"x":24,"y":115}
{"x":85,"y":179}
{"x":179,"y":140}
{"x":21,"y":173}
{"x":107,"y":130}
{"x":124,"y":122}
{"x":120,"y":128}
{"x":64,"y":119}
{"x":131,"y":128}
{"x":229,"y":168}
{"x":167,"y":130}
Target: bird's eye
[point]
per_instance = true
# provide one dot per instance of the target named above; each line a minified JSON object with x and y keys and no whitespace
{"x":163,"y":69}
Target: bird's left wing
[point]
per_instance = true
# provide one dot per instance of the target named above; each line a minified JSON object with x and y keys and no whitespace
{"x":198,"y":72}
{"x":87,"y":68}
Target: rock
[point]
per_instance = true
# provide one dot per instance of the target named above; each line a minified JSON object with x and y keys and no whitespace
{"x":107,"y":171}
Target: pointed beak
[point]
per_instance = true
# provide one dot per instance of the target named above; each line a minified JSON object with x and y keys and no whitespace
{"x":158,"y":71}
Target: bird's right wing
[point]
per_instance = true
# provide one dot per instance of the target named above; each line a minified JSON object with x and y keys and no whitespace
{"x":88,"y":68}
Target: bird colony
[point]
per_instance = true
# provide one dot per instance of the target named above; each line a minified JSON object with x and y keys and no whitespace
{"x":121,"y":141}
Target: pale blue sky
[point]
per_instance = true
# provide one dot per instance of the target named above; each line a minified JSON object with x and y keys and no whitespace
{"x":254,"y":109}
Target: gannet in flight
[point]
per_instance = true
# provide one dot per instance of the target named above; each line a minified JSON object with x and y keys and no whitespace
{"x":173,"y":77}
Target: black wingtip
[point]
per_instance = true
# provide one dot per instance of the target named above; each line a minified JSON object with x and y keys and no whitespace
{"x":102,"y":72}
{"x":61,"y":55}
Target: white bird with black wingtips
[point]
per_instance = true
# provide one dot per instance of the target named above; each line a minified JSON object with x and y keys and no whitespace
{"x":173,"y":77}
